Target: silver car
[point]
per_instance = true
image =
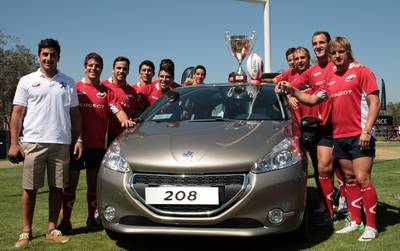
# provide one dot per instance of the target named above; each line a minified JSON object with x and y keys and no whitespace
{"x":215,"y":159}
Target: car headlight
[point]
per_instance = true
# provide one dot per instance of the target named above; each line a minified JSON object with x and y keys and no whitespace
{"x":113,"y":160}
{"x":284,"y":154}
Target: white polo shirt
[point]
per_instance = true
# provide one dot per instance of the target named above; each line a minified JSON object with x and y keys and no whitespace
{"x":48,"y":103}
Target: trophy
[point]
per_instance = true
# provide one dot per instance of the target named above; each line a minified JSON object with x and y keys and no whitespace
{"x":240,"y":46}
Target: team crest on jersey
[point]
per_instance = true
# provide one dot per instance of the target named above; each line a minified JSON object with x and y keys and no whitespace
{"x":37,"y":84}
{"x":350,"y":78}
{"x":100,"y":94}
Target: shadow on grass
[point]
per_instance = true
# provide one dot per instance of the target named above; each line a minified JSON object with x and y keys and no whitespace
{"x":39,"y":192}
{"x":289,"y":241}
{"x":387,"y":215}
{"x":272,"y":242}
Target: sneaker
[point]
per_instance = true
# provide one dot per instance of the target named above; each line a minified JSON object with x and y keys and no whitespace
{"x":349,"y":227}
{"x":65,"y":228}
{"x":23,"y":240}
{"x":57,"y":236}
{"x":369,"y":234}
{"x":342,"y":207}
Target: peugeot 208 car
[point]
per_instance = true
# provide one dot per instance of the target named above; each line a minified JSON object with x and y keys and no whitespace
{"x":215,"y":159}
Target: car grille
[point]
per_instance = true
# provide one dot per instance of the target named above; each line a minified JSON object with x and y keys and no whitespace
{"x":131,"y":220}
{"x":230,"y":186}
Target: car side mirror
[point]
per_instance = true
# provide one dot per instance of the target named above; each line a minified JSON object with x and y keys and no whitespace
{"x":310,"y":121}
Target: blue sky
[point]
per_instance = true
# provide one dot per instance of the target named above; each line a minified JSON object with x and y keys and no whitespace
{"x":192,"y":32}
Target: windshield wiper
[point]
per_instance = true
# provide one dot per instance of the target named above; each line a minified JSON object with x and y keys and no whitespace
{"x":218,"y":119}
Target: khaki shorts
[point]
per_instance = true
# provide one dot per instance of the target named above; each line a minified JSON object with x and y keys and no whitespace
{"x":38,"y":156}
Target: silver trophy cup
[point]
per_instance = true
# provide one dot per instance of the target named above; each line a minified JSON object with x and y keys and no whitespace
{"x":240,"y":46}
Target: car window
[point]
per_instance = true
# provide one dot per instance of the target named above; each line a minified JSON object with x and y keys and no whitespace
{"x":225,"y":102}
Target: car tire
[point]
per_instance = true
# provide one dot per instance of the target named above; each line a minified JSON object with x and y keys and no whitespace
{"x":304,"y":229}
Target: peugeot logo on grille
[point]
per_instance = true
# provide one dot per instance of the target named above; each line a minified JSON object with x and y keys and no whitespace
{"x":188,"y":155}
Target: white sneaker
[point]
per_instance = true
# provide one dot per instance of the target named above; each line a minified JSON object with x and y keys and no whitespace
{"x":369,"y":234}
{"x":350,"y":227}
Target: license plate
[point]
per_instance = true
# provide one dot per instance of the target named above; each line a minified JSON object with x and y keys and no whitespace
{"x":182,"y":195}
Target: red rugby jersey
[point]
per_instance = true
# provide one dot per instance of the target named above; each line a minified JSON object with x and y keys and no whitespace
{"x":348,"y":93}
{"x":153,"y":92}
{"x":286,"y":76}
{"x":94,"y":104}
{"x":127,"y":98}
{"x":311,"y":81}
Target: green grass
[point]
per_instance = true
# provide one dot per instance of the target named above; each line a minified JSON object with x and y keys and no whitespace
{"x":387,"y":144}
{"x":385,"y":175}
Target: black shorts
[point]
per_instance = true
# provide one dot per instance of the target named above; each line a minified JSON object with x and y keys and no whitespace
{"x":348,"y":148}
{"x":91,"y":158}
{"x":326,"y":138}
{"x":319,"y":136}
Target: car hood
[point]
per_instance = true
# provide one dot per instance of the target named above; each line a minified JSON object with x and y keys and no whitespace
{"x":193,"y":147}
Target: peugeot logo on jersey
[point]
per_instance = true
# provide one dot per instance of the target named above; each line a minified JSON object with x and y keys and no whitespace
{"x":100,"y":94}
{"x":350,"y":78}
{"x":317,"y":74}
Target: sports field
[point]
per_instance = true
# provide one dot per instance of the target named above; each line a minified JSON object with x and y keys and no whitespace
{"x":386,"y":175}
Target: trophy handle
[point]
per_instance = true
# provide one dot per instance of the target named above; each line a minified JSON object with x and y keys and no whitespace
{"x":227,"y":36}
{"x":227,"y":42}
{"x":253,"y":36}
{"x":252,"y":39}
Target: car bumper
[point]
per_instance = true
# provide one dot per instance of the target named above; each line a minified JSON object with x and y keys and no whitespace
{"x":245,"y":216}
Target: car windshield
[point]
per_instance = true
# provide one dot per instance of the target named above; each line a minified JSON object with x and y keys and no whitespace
{"x":219,"y":103}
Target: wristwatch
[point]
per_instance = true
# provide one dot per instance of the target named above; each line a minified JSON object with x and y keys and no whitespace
{"x":367,"y":132}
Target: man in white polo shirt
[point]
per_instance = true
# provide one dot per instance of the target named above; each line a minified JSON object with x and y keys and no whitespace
{"x":46,"y":107}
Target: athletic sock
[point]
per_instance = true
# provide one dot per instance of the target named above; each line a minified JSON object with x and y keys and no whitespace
{"x":354,"y":201}
{"x":68,"y":204}
{"x":339,"y":178}
{"x":370,"y":200}
{"x":327,"y":189}
{"x":92,"y":205}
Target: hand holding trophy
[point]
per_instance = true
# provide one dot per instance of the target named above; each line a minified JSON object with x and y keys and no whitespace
{"x":240,"y":46}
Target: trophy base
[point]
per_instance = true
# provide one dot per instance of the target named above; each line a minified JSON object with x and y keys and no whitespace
{"x":237,"y":78}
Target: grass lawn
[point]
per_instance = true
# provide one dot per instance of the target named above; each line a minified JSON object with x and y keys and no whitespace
{"x":386,"y":175}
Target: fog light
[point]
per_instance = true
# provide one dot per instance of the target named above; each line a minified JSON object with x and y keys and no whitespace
{"x":109,"y":213}
{"x":275,"y":216}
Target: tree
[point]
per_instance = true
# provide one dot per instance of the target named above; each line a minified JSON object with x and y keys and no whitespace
{"x":394,"y":110}
{"x":15,"y":61}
